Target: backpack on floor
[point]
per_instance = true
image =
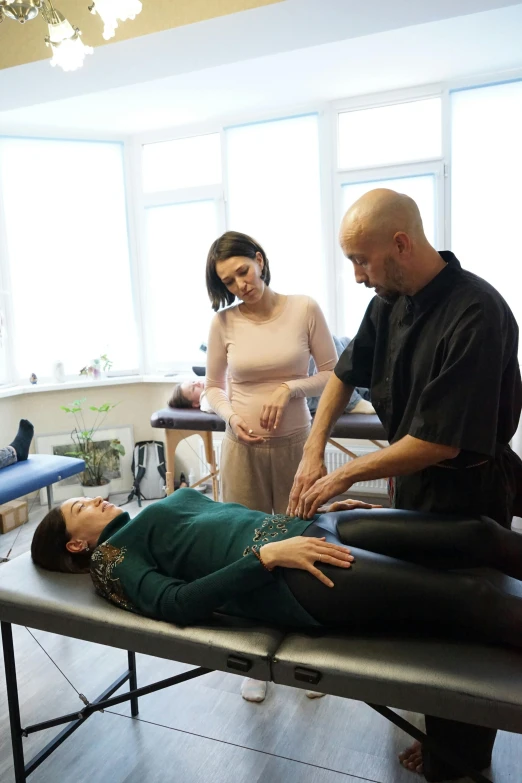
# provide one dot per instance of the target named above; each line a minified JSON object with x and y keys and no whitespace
{"x":148,"y":469}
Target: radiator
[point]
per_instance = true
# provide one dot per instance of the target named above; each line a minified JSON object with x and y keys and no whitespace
{"x":333,"y":459}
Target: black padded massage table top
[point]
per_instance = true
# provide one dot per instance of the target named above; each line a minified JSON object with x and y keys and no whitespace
{"x":349,"y":425}
{"x":471,"y":682}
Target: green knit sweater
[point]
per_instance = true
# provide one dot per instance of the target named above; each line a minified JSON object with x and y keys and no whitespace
{"x":184,"y":557}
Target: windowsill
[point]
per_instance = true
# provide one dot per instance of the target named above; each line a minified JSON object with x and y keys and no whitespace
{"x":124,"y":380}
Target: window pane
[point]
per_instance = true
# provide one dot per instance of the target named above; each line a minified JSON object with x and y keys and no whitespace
{"x":3,"y":341}
{"x":422,"y":190}
{"x":178,"y":308}
{"x":274,"y":195}
{"x":486,"y":175}
{"x":68,"y":254}
{"x":399,"y":133}
{"x":182,"y":163}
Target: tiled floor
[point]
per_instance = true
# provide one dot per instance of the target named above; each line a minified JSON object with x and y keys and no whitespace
{"x":200,"y":731}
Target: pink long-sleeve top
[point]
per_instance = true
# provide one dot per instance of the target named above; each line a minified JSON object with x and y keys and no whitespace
{"x":247,"y":360}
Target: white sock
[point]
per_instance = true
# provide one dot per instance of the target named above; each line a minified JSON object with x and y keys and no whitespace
{"x":314,"y":694}
{"x":253,"y":690}
{"x":363,"y":406}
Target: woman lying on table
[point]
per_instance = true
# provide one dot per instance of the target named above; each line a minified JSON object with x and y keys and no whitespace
{"x":184,"y":557}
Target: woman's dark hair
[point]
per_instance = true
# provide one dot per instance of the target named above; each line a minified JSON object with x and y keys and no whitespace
{"x":48,"y":546}
{"x":230,"y":244}
{"x":178,"y":399}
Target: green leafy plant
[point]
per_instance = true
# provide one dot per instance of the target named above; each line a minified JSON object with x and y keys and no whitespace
{"x":84,"y":445}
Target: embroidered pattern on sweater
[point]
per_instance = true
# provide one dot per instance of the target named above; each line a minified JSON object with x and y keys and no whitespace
{"x":271,"y":528}
{"x":103,"y":561}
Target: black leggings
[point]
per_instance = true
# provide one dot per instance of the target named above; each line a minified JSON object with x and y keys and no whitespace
{"x":394,"y":585}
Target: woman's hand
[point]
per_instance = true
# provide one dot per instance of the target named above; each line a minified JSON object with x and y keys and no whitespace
{"x":242,"y":431}
{"x":346,"y":505}
{"x":311,"y":469}
{"x":302,"y":552}
{"x":272,"y":411}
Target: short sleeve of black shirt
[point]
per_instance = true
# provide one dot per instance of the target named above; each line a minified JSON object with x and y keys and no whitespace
{"x":459,"y":406}
{"x":355,"y":364}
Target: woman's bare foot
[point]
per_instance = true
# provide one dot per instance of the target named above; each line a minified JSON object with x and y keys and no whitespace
{"x":411,"y":758}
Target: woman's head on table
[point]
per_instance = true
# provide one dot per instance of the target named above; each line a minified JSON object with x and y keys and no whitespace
{"x":66,"y":536}
{"x":237,"y":267}
{"x":186,"y":394}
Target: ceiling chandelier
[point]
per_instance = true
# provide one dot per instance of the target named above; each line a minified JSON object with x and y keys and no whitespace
{"x":63,"y":38}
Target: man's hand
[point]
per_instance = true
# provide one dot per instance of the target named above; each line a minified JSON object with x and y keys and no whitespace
{"x":311,"y":468}
{"x":272,"y":411}
{"x":303,"y":552}
{"x":242,"y":432}
{"x":325,"y":488}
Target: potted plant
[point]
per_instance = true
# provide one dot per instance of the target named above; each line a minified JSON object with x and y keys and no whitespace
{"x":94,"y":482}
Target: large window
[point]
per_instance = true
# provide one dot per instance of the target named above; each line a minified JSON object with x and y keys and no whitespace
{"x":182,"y":163}
{"x":184,"y":214}
{"x":486,"y":200}
{"x":68,"y":289}
{"x":396,"y":146}
{"x":387,"y":135}
{"x":274,"y":195}
{"x":179,"y":311}
{"x":272,"y":175}
{"x":67,"y":255}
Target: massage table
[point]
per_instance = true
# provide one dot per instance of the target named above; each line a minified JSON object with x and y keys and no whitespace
{"x":472,"y":683}
{"x":181,"y":423}
{"x":36,"y":472}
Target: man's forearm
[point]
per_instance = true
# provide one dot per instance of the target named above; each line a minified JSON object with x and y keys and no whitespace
{"x":333,"y":401}
{"x":406,"y":456}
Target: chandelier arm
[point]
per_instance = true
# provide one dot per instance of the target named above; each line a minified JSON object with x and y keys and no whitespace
{"x":49,"y":13}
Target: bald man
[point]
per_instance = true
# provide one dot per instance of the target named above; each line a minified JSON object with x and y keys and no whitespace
{"x":438,"y":349}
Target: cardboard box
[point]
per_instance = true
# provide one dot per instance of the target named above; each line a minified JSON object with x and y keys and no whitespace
{"x":12,"y":515}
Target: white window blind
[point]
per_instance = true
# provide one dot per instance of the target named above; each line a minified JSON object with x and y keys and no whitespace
{"x":67,"y":254}
{"x":182,"y":163}
{"x":177,"y":304}
{"x":274,"y":195}
{"x":486,"y":177}
{"x":386,"y":135}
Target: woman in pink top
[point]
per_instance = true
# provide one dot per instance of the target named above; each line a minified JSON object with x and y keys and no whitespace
{"x":257,"y":373}
{"x":257,"y":378}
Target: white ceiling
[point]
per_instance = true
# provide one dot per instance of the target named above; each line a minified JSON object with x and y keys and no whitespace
{"x":227,"y":67}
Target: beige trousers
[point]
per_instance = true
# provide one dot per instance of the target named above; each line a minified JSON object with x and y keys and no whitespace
{"x":260,"y":476}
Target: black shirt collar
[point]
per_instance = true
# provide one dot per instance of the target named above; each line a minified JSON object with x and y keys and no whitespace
{"x":437,"y":287}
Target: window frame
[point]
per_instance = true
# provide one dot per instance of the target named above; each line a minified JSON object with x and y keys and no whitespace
{"x":219,"y":193}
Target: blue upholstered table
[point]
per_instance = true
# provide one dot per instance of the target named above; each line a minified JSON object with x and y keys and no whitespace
{"x":39,"y":470}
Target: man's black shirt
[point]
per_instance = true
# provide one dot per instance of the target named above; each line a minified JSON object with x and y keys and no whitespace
{"x":443,"y":367}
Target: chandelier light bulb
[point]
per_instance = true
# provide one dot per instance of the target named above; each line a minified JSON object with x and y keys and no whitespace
{"x":111,"y":12}
{"x":68,"y":49}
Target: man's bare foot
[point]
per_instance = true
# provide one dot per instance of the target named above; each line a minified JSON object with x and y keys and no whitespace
{"x":411,"y":758}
